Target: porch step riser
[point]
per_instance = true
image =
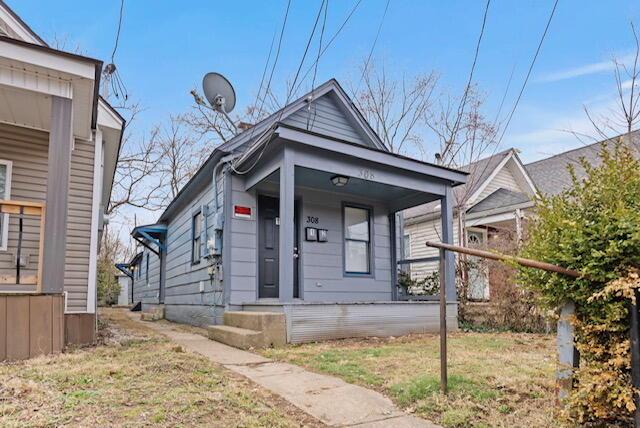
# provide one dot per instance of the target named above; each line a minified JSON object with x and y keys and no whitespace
{"x":251,"y":330}
{"x":236,"y":337}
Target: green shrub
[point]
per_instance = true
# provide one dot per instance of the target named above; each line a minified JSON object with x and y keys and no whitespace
{"x":593,"y":227}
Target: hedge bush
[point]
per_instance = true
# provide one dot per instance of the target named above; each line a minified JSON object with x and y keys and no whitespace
{"x":593,"y":227}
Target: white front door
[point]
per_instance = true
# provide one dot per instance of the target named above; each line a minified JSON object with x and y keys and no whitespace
{"x":478,"y":272}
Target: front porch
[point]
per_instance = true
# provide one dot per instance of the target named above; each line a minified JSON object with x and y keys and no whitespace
{"x":314,"y":233}
{"x":313,"y":321}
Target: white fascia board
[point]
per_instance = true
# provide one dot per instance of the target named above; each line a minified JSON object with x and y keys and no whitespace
{"x":472,"y":199}
{"x":525,"y":175}
{"x":36,"y":82}
{"x":107,"y":118}
{"x":496,"y":218}
{"x":17,"y":26}
{"x":42,"y":58}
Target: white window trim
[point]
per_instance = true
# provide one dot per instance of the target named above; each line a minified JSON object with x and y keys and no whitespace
{"x":4,"y":238}
{"x":407,"y":247}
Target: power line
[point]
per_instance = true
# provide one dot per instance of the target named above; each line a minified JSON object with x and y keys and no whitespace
{"x":344,"y":23}
{"x":115,"y":47}
{"x":275,"y":61}
{"x":289,"y":93}
{"x":465,"y":95}
{"x":373,"y":46}
{"x":264,"y":74}
{"x":310,"y":123}
{"x":533,"y":62}
{"x":524,"y":84}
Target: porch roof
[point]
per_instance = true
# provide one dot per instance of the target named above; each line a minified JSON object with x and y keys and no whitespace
{"x":151,"y":234}
{"x":399,"y":181}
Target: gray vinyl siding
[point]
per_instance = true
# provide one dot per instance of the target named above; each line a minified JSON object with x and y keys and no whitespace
{"x":324,"y":116}
{"x":184,"y":302}
{"x":323,"y":276}
{"x":28,"y":150}
{"x":244,"y":244}
{"x":147,"y":291}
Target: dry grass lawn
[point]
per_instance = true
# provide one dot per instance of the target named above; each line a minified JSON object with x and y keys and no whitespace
{"x":135,"y":378}
{"x":495,"y":379}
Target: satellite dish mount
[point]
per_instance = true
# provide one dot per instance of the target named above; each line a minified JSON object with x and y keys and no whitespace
{"x":220,"y":94}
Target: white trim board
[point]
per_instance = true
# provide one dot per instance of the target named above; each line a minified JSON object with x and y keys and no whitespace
{"x":95,"y":219}
{"x":4,"y":234}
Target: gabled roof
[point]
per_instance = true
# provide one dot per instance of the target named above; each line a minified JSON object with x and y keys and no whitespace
{"x":500,"y":198}
{"x":551,"y":174}
{"x":18,"y":26}
{"x":245,"y":140}
{"x":330,"y":87}
{"x":481,"y":172}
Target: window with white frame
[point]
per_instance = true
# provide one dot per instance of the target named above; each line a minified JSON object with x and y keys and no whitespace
{"x":406,"y":246}
{"x":357,"y":240}
{"x":5,"y":194}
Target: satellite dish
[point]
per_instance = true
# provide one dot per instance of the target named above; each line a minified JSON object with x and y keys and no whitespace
{"x":219,"y":92}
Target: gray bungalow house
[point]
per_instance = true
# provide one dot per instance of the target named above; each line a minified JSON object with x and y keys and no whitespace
{"x":295,"y":216}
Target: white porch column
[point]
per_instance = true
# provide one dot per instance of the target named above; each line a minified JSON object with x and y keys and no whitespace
{"x":446,"y":204}
{"x":55,"y":228}
{"x":287,"y":224}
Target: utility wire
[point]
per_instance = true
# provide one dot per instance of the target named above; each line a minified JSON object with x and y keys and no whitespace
{"x":463,"y":100}
{"x":291,"y":91}
{"x":310,"y":123}
{"x":115,"y":47}
{"x":344,"y":23}
{"x":533,"y":62}
{"x":373,"y":46}
{"x":524,"y":84}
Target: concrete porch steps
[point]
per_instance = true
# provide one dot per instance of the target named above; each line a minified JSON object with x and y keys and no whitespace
{"x":246,"y":330}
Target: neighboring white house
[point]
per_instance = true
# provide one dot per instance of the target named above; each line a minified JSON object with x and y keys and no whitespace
{"x":124,"y":298}
{"x":59,"y":144}
{"x":498,"y":196}
{"x":495,"y":198}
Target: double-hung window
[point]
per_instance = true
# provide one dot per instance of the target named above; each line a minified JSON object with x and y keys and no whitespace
{"x":5,"y":194}
{"x":147,"y":269}
{"x":357,"y":240}
{"x":196,"y":232}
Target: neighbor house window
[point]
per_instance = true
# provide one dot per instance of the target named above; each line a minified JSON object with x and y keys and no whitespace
{"x":196,"y":228}
{"x":5,"y":194}
{"x":406,"y":246}
{"x":357,"y":240}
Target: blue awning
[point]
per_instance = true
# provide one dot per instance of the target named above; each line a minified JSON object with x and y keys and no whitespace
{"x":151,"y":234}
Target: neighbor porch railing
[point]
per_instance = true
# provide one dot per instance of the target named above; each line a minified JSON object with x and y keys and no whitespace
{"x":412,"y":285}
{"x":24,"y":223}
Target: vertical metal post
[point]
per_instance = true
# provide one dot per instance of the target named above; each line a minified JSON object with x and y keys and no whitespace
{"x":287,"y":224}
{"x":634,"y":318}
{"x":19,"y":250}
{"x":566,"y":351}
{"x":443,"y":323}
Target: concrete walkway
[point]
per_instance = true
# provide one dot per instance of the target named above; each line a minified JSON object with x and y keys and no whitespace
{"x":329,"y":399}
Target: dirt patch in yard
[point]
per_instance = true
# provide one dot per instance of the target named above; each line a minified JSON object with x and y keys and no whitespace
{"x":495,"y":379}
{"x":135,"y":377}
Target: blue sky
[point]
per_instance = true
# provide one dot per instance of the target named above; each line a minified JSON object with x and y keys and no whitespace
{"x":166,"y":47}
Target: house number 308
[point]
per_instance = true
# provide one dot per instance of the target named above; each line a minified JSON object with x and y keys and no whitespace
{"x":312,"y":220}
{"x":367,"y":174}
